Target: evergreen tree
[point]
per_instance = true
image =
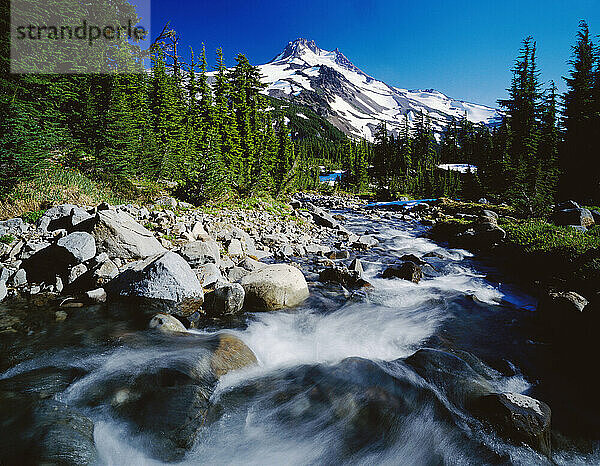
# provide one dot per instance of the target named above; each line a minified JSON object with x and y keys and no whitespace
{"x":579,"y":156}
{"x":522,"y":112}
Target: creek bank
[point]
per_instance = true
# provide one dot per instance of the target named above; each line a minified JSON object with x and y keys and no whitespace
{"x":232,"y":256}
{"x":559,"y":258}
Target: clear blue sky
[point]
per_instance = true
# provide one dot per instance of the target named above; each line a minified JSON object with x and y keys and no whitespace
{"x":463,"y":48}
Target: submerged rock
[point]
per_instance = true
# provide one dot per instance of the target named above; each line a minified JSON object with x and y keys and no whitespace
{"x":274,"y":287}
{"x":407,"y":271}
{"x":455,"y":377}
{"x":343,"y":276}
{"x":44,"y":432}
{"x":231,"y":354}
{"x":165,"y":394}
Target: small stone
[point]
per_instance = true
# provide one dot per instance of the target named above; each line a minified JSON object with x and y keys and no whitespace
{"x":166,"y":323}
{"x":76,"y":272}
{"x":60,"y":316}
{"x":3,"y":290}
{"x":97,"y":296}
{"x":19,"y":278}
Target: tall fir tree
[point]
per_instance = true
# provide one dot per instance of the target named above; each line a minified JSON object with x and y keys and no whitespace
{"x":578,"y":156}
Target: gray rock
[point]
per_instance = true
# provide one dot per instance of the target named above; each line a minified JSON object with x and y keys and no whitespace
{"x":234,"y":248}
{"x":366,"y":241}
{"x":101,"y":258}
{"x":75,"y":272}
{"x":5,"y":273}
{"x":79,"y":244}
{"x":407,"y":271}
{"x":578,"y":216}
{"x":235,"y":274}
{"x":566,"y":205}
{"x":58,"y":284}
{"x":274,"y":287}
{"x":119,"y":235}
{"x":3,"y":290}
{"x":343,"y":276}
{"x":166,"y":276}
{"x":198,"y":253}
{"x":96,"y":296}
{"x":518,"y":418}
{"x":105,"y":272}
{"x":19,"y":278}
{"x":356,"y":265}
{"x":65,"y":216}
{"x":321,"y":217}
{"x":313,"y":248}
{"x":208,"y":274}
{"x":14,"y":226}
{"x":166,"y":323}
{"x":198,"y":230}
{"x":489,"y":214}
{"x":560,"y":311}
{"x":227,"y":299}
{"x":250,"y":264}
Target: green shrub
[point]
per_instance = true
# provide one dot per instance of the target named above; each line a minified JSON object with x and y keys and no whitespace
{"x":7,"y":239}
{"x":539,"y":236}
{"x":32,"y":216}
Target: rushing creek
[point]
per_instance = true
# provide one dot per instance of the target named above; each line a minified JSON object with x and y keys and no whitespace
{"x":306,"y":402}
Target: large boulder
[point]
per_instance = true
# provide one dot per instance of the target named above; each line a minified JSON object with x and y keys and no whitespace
{"x":57,"y":259}
{"x":119,"y":235}
{"x":274,"y":287}
{"x":166,"y":276}
{"x":79,"y":244}
{"x":406,"y":271}
{"x":65,"y":216}
{"x":198,"y":253}
{"x":165,"y":394}
{"x":517,"y":418}
{"x":576,"y":216}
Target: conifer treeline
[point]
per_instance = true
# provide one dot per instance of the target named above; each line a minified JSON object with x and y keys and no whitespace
{"x":170,"y":123}
{"x":219,"y":134}
{"x":534,"y":156}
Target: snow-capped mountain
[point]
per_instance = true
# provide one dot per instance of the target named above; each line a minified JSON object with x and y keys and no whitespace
{"x":353,"y":101}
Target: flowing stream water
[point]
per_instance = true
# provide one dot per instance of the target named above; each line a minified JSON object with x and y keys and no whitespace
{"x":306,"y":402}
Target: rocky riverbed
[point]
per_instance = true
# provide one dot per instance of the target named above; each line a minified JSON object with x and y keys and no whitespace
{"x":318,"y":332}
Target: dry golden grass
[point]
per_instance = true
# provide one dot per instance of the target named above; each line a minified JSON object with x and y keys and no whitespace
{"x":57,"y":185}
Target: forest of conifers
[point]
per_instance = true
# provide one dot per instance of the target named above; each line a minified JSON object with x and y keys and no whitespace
{"x":215,"y":135}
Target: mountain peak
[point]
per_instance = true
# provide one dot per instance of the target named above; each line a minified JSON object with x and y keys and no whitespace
{"x":297,"y":48}
{"x":302,"y":47}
